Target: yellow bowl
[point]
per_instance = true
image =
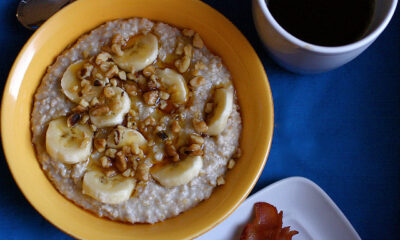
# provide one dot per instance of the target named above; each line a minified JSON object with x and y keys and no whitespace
{"x":220,"y":35}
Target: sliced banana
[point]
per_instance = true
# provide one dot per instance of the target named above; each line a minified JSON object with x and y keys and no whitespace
{"x":175,"y":85}
{"x":143,"y":52}
{"x":123,"y":136}
{"x":68,"y":144}
{"x":223,"y":98}
{"x":111,"y":190}
{"x":117,"y":107}
{"x":176,"y":174}
{"x":71,"y":84}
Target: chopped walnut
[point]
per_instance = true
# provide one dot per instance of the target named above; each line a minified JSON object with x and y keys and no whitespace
{"x":195,"y":138}
{"x":149,"y":70}
{"x":188,"y":32}
{"x":163,"y":104}
{"x":105,"y":66}
{"x":164,"y":95}
{"x":179,"y":48}
{"x":150,"y":97}
{"x":220,"y":180}
{"x":237,"y":154}
{"x":85,"y":82}
{"x":84,"y":119}
{"x":134,"y":162}
{"x":112,"y":72}
{"x":83,"y":103}
{"x":183,"y":64}
{"x":175,"y":127}
{"x":193,"y":150}
{"x":199,"y":65}
{"x":150,"y":121}
{"x":100,"y":144}
{"x":114,"y":82}
{"x":122,"y":75}
{"x":86,"y":70}
{"x":110,"y":152}
{"x":94,"y":102}
{"x":143,"y":171}
{"x":231,"y":164}
{"x":127,"y":172}
{"x":188,"y":50}
{"x":135,"y":149}
{"x":117,"y":39}
{"x":131,"y":89}
{"x":154,"y":78}
{"x":158,"y":156}
{"x":152,"y":84}
{"x":121,"y":162}
{"x":197,"y":41}
{"x":197,"y":81}
{"x":170,"y":150}
{"x":131,"y":76}
{"x":105,"y":162}
{"x":102,"y":57}
{"x":99,"y":76}
{"x":200,"y":126}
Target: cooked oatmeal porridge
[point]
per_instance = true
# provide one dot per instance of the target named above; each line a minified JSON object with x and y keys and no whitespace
{"x":137,"y":121}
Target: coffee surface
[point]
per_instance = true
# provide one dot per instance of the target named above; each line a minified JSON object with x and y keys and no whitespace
{"x":324,"y":22}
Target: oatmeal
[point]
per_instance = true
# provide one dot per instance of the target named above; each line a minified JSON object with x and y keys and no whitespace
{"x":137,"y":121}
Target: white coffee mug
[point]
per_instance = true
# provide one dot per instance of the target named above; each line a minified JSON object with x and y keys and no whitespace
{"x":302,"y":57}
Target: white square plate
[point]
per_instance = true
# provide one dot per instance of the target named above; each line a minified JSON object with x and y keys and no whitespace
{"x":306,"y":208}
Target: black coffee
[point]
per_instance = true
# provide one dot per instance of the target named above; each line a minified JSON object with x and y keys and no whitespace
{"x":324,"y":22}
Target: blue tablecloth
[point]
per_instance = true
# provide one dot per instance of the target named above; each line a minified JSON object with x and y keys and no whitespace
{"x":340,"y":129}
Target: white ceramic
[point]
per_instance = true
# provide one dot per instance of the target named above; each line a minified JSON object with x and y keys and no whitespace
{"x":306,"y":208}
{"x":302,"y":57}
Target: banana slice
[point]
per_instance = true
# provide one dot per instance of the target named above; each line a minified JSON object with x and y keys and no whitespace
{"x":113,"y":112}
{"x":143,"y":52}
{"x":112,"y":190}
{"x":223,"y":99}
{"x":123,"y":136}
{"x":71,"y":84}
{"x":176,"y":174}
{"x":68,"y":145}
{"x":175,"y":85}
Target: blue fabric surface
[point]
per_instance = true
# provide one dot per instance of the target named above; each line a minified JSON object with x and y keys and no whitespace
{"x":340,"y":129}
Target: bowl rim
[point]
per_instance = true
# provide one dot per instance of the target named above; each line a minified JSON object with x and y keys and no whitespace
{"x":6,"y":98}
{"x":262,"y":4}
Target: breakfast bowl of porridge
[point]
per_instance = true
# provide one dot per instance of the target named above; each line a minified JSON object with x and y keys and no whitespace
{"x":136,"y":120}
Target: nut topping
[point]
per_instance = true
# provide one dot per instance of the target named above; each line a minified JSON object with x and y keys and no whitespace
{"x":197,"y":41}
{"x":100,"y":144}
{"x":200,"y":126}
{"x":195,"y":138}
{"x":197,"y":81}
{"x":150,"y":97}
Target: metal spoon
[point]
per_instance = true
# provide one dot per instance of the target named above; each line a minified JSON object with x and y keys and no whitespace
{"x":33,"y":13}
